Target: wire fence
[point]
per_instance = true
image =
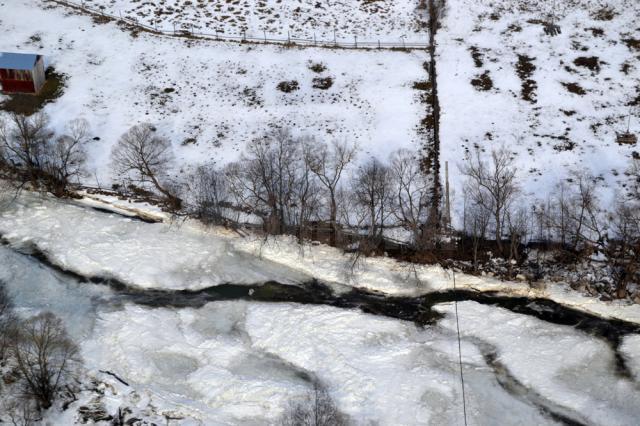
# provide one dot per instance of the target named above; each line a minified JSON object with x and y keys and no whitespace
{"x":188,"y":31}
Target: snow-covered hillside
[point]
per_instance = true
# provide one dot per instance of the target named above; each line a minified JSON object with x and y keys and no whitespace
{"x":211,"y":98}
{"x":386,"y":20}
{"x":555,"y":101}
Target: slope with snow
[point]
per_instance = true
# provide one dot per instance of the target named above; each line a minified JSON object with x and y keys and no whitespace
{"x":211,"y":98}
{"x":555,"y":101}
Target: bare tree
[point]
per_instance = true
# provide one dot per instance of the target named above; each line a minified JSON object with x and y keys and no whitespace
{"x":20,"y":411}
{"x":316,"y":409}
{"x":31,"y":154}
{"x":329,"y":163}
{"x":146,"y":155}
{"x":476,"y":223}
{"x":411,"y":197}
{"x":45,"y":357}
{"x":66,"y":156}
{"x":518,"y":227}
{"x":623,"y":246}
{"x":209,"y":189}
{"x":7,"y":320}
{"x":306,"y":193}
{"x":372,"y":191}
{"x":492,"y":184}
{"x":23,"y":141}
{"x":575,"y":214}
{"x":264,"y":179}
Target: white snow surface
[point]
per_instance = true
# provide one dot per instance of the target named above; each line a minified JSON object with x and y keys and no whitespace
{"x":631,"y":349}
{"x":210,"y":98}
{"x":240,"y":363}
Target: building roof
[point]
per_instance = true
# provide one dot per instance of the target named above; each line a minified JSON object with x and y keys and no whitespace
{"x":17,"y":61}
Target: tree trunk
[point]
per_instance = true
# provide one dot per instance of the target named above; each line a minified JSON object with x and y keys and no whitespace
{"x":332,"y":219}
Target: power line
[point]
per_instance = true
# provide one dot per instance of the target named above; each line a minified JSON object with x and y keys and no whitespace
{"x":464,"y":399}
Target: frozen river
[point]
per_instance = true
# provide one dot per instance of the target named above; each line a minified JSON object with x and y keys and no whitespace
{"x":226,"y":361}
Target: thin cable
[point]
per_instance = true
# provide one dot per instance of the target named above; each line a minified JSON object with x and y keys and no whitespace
{"x":464,"y":399}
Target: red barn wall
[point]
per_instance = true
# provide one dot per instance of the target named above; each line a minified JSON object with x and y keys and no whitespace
{"x":16,"y":81}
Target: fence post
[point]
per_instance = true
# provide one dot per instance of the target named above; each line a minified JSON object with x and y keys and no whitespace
{"x":379,"y":44}
{"x":355,"y":39}
{"x":288,"y":37}
{"x":244,"y":35}
{"x":314,"y":39}
{"x":265,"y":35}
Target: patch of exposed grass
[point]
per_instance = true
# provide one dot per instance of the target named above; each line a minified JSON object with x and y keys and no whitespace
{"x":632,"y":43}
{"x":322,"y":83}
{"x":477,"y":56}
{"x":575,"y":88}
{"x":483,"y":82}
{"x":288,"y":86}
{"x":525,"y":69}
{"x":591,"y":62}
{"x":317,"y":67}
{"x":606,"y":13}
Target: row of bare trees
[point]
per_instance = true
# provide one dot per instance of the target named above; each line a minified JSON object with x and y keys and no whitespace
{"x":571,"y":220}
{"x":290,"y":182}
{"x":39,"y":361}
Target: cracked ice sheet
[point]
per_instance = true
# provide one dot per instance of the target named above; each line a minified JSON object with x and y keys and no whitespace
{"x":567,"y":367}
{"x":145,"y":255}
{"x":241,"y":363}
{"x":34,"y":289}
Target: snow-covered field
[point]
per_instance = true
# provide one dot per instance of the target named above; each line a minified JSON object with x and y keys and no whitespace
{"x":369,"y":20}
{"x":572,"y":114}
{"x":211,"y":98}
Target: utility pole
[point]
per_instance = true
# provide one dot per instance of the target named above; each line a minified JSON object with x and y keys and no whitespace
{"x":447,"y":199}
